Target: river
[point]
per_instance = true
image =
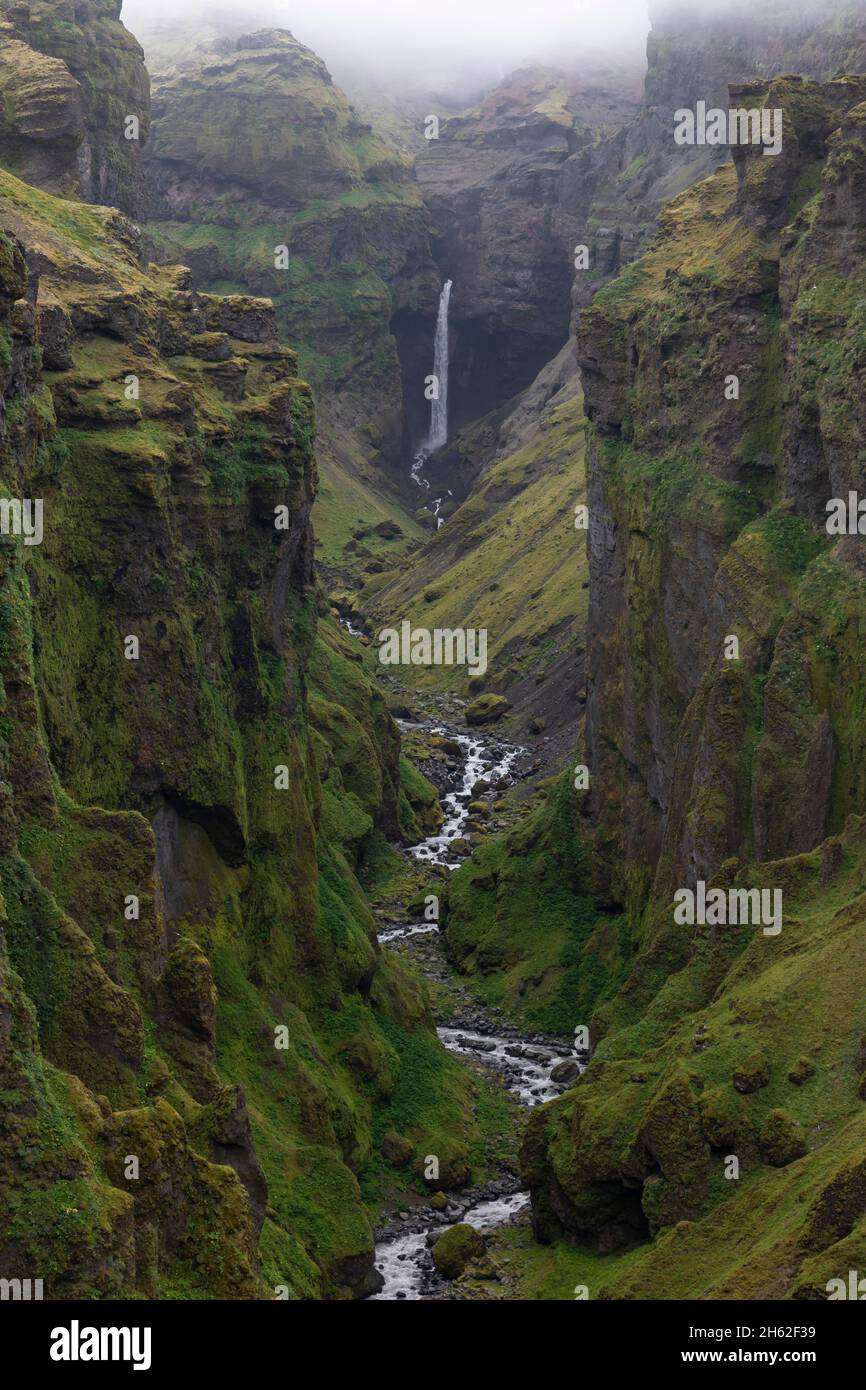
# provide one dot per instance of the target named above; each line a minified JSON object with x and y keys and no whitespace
{"x":524,"y":1062}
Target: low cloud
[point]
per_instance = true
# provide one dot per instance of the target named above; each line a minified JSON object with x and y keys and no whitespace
{"x":428,"y":43}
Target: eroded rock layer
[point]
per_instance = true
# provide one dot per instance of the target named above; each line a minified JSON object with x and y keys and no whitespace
{"x":199,"y":1030}
{"x":724,"y":730}
{"x":74,"y":99}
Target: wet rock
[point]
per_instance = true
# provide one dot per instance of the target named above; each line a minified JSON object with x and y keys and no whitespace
{"x":565,"y":1071}
{"x":450,"y":746}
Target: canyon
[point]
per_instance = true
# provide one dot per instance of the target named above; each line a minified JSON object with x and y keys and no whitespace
{"x":286,"y":921}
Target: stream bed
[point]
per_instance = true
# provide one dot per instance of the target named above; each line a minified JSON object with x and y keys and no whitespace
{"x":484,"y":759}
{"x":533,"y":1068}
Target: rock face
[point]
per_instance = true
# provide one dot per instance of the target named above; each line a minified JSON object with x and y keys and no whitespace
{"x":493,"y":181}
{"x":66,"y":940}
{"x":178,"y":809}
{"x":722,"y":374}
{"x":549,"y":162}
{"x":705,"y":510}
{"x":71,"y":76}
{"x":614,"y":190}
{"x":544,"y":164}
{"x":254,"y":148}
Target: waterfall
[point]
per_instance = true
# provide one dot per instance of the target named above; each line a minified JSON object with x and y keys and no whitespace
{"x":439,"y":408}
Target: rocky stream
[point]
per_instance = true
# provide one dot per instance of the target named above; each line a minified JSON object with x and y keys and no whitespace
{"x":532,"y":1067}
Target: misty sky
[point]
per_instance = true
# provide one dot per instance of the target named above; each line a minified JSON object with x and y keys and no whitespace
{"x":426,"y":40}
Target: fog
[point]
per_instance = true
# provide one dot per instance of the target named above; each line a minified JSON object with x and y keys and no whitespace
{"x":427,"y":43}
{"x":452,"y":47}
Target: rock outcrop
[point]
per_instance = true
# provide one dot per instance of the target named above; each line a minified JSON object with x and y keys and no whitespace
{"x":615,"y":189}
{"x":186,"y":952}
{"x":549,"y":162}
{"x":493,"y":180}
{"x":74,"y":99}
{"x":718,"y":438}
{"x":722,"y":376}
{"x":254,"y":148}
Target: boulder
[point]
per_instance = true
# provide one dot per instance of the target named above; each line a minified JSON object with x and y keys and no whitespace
{"x":781,"y":1139}
{"x":396,"y":1149}
{"x":457,"y":1248}
{"x":487,"y":709}
{"x":750,"y":1076}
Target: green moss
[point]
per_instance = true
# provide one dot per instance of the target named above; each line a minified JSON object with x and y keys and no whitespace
{"x":753,"y":1009}
{"x":34,"y":941}
{"x":782,"y":1139}
{"x":456,"y":1249}
{"x":242,"y":463}
{"x":522,"y":921}
{"x":515,"y":563}
{"x":420,"y":808}
{"x":236,"y":675}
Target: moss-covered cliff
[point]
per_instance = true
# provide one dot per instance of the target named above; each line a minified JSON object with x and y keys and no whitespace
{"x":498,"y":181}
{"x":254,"y":148}
{"x":707,"y":522}
{"x":74,"y":99}
{"x":190,"y":975}
{"x":693,"y":54}
{"x":707,"y":509}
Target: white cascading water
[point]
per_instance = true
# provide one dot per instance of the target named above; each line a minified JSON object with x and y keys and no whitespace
{"x":439,"y":408}
{"x":524,"y":1062}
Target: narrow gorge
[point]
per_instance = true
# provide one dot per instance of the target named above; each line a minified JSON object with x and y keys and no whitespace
{"x":432,"y":680}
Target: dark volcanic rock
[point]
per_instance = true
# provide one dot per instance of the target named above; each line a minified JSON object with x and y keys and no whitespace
{"x":493,"y":182}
